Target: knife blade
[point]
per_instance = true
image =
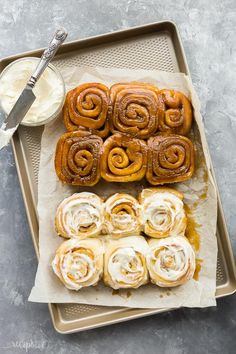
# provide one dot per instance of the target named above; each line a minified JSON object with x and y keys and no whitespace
{"x":27,"y":97}
{"x":21,"y":107}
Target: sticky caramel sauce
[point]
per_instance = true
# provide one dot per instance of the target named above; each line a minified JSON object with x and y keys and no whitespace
{"x":128,"y":294}
{"x":191,"y":230}
{"x":122,"y":293}
{"x":205,"y":176}
{"x":198,"y":268}
{"x":205,"y":190}
{"x":116,"y":292}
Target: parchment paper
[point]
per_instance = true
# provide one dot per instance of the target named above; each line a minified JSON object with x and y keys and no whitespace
{"x":199,"y":192}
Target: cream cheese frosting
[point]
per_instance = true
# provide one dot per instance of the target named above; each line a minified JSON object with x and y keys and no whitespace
{"x":49,"y":90}
{"x":122,"y":214}
{"x":164,"y":213}
{"x":125,"y":265}
{"x":171,"y":261}
{"x":79,"y":263}
{"x":80,"y":215}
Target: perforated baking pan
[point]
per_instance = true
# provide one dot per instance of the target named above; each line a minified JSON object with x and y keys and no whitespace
{"x":153,"y":46}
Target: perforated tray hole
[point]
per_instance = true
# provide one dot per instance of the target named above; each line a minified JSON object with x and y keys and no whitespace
{"x":31,"y":139}
{"x":75,"y":311}
{"x":221,"y":275}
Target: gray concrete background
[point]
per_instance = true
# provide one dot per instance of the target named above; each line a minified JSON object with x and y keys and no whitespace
{"x":208,"y":32}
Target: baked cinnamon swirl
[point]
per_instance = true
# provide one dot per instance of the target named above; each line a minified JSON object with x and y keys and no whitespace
{"x":177,"y":115}
{"x":170,"y":159}
{"x":77,"y":159}
{"x":136,"y":109}
{"x":124,"y":159}
{"x":88,"y":106}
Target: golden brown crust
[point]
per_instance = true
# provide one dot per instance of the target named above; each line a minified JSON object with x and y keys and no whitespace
{"x":136,"y":109}
{"x":77,"y":158}
{"x":124,"y":159}
{"x":170,"y":159}
{"x":177,"y":114}
{"x":88,"y":106}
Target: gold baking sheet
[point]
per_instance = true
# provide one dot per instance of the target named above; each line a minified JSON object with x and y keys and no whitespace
{"x":155,"y":46}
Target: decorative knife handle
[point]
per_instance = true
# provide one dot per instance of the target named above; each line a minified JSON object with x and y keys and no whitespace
{"x":58,"y":38}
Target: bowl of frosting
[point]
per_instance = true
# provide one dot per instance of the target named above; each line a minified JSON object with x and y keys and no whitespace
{"x":49,"y":91}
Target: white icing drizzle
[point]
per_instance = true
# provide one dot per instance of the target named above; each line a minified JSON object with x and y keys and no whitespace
{"x":81,"y":214}
{"x":171,"y":259}
{"x":164,"y":212}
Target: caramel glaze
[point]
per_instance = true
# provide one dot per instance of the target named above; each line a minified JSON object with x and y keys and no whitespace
{"x":115,"y":292}
{"x":203,"y":196}
{"x":128,"y":294}
{"x":118,"y":292}
{"x":192,"y":234}
{"x":191,"y":230}
{"x":198,"y":268}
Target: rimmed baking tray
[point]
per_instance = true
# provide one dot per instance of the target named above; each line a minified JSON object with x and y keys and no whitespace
{"x":153,"y":46}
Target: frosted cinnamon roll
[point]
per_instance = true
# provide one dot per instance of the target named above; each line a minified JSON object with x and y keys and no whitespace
{"x":162,"y":212}
{"x":80,"y":215}
{"x":125,"y":263}
{"x":170,"y":261}
{"x":79,"y":263}
{"x":122,"y":215}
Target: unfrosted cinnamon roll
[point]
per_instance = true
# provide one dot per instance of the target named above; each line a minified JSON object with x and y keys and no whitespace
{"x":170,"y":261}
{"x":125,"y":263}
{"x":124,"y":159}
{"x":162,"y":212}
{"x":122,"y":215}
{"x":80,"y":215}
{"x":136,"y":109}
{"x":79,"y":263}
{"x":77,"y":159}
{"x":170,"y":159}
{"x":88,"y":105}
{"x":177,"y":115}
